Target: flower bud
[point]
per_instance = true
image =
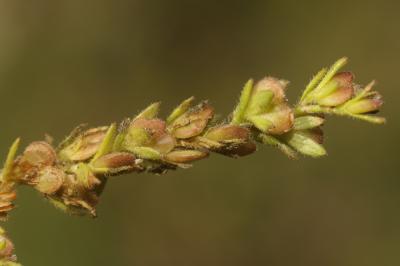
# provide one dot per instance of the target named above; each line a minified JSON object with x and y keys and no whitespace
{"x":267,"y":109}
{"x":155,"y":127}
{"x":49,"y":180}
{"x":84,"y":145}
{"x":234,"y":140}
{"x":365,"y":105}
{"x":307,"y":122}
{"x":277,"y":121}
{"x":149,"y":133}
{"x":274,"y":85}
{"x":337,"y":91}
{"x":193,"y":122}
{"x":306,"y":143}
{"x":185,"y":156}
{"x":115,"y":160}
{"x":228,"y":132}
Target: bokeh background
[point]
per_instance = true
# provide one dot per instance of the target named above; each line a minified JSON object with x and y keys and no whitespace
{"x":97,"y":61}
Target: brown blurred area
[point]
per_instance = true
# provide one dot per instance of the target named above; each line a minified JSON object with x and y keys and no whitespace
{"x":67,"y":62}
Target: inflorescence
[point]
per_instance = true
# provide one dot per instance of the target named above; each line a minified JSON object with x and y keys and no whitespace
{"x":72,"y":175}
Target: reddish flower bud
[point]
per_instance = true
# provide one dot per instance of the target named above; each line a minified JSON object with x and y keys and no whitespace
{"x":228,"y":132}
{"x":234,"y":140}
{"x":115,"y":160}
{"x":280,"y":119}
{"x":267,"y":109}
{"x":193,"y":122}
{"x":337,"y":91}
{"x":338,"y":97}
{"x":185,"y":156}
{"x":276,"y":86}
{"x":155,"y":127}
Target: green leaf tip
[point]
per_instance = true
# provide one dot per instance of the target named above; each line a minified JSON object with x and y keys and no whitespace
{"x":8,"y":165}
{"x":283,"y":147}
{"x":150,"y":112}
{"x":107,"y":144}
{"x":239,"y":112}
{"x":180,"y":110}
{"x":332,"y":71}
{"x":321,"y":79}
{"x":313,"y":83}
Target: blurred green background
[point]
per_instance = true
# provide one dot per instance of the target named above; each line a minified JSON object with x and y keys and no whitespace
{"x":67,"y":62}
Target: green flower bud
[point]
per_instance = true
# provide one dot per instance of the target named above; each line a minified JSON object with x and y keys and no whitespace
{"x":267,"y":109}
{"x":306,"y":143}
{"x":149,"y":133}
{"x":277,"y":121}
{"x":307,"y":122}
{"x":147,"y":153}
{"x":365,"y":105}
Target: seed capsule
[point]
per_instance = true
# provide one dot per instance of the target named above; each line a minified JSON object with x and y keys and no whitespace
{"x":39,"y":153}
{"x":85,"y":145}
{"x":185,"y":156}
{"x":49,"y":180}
